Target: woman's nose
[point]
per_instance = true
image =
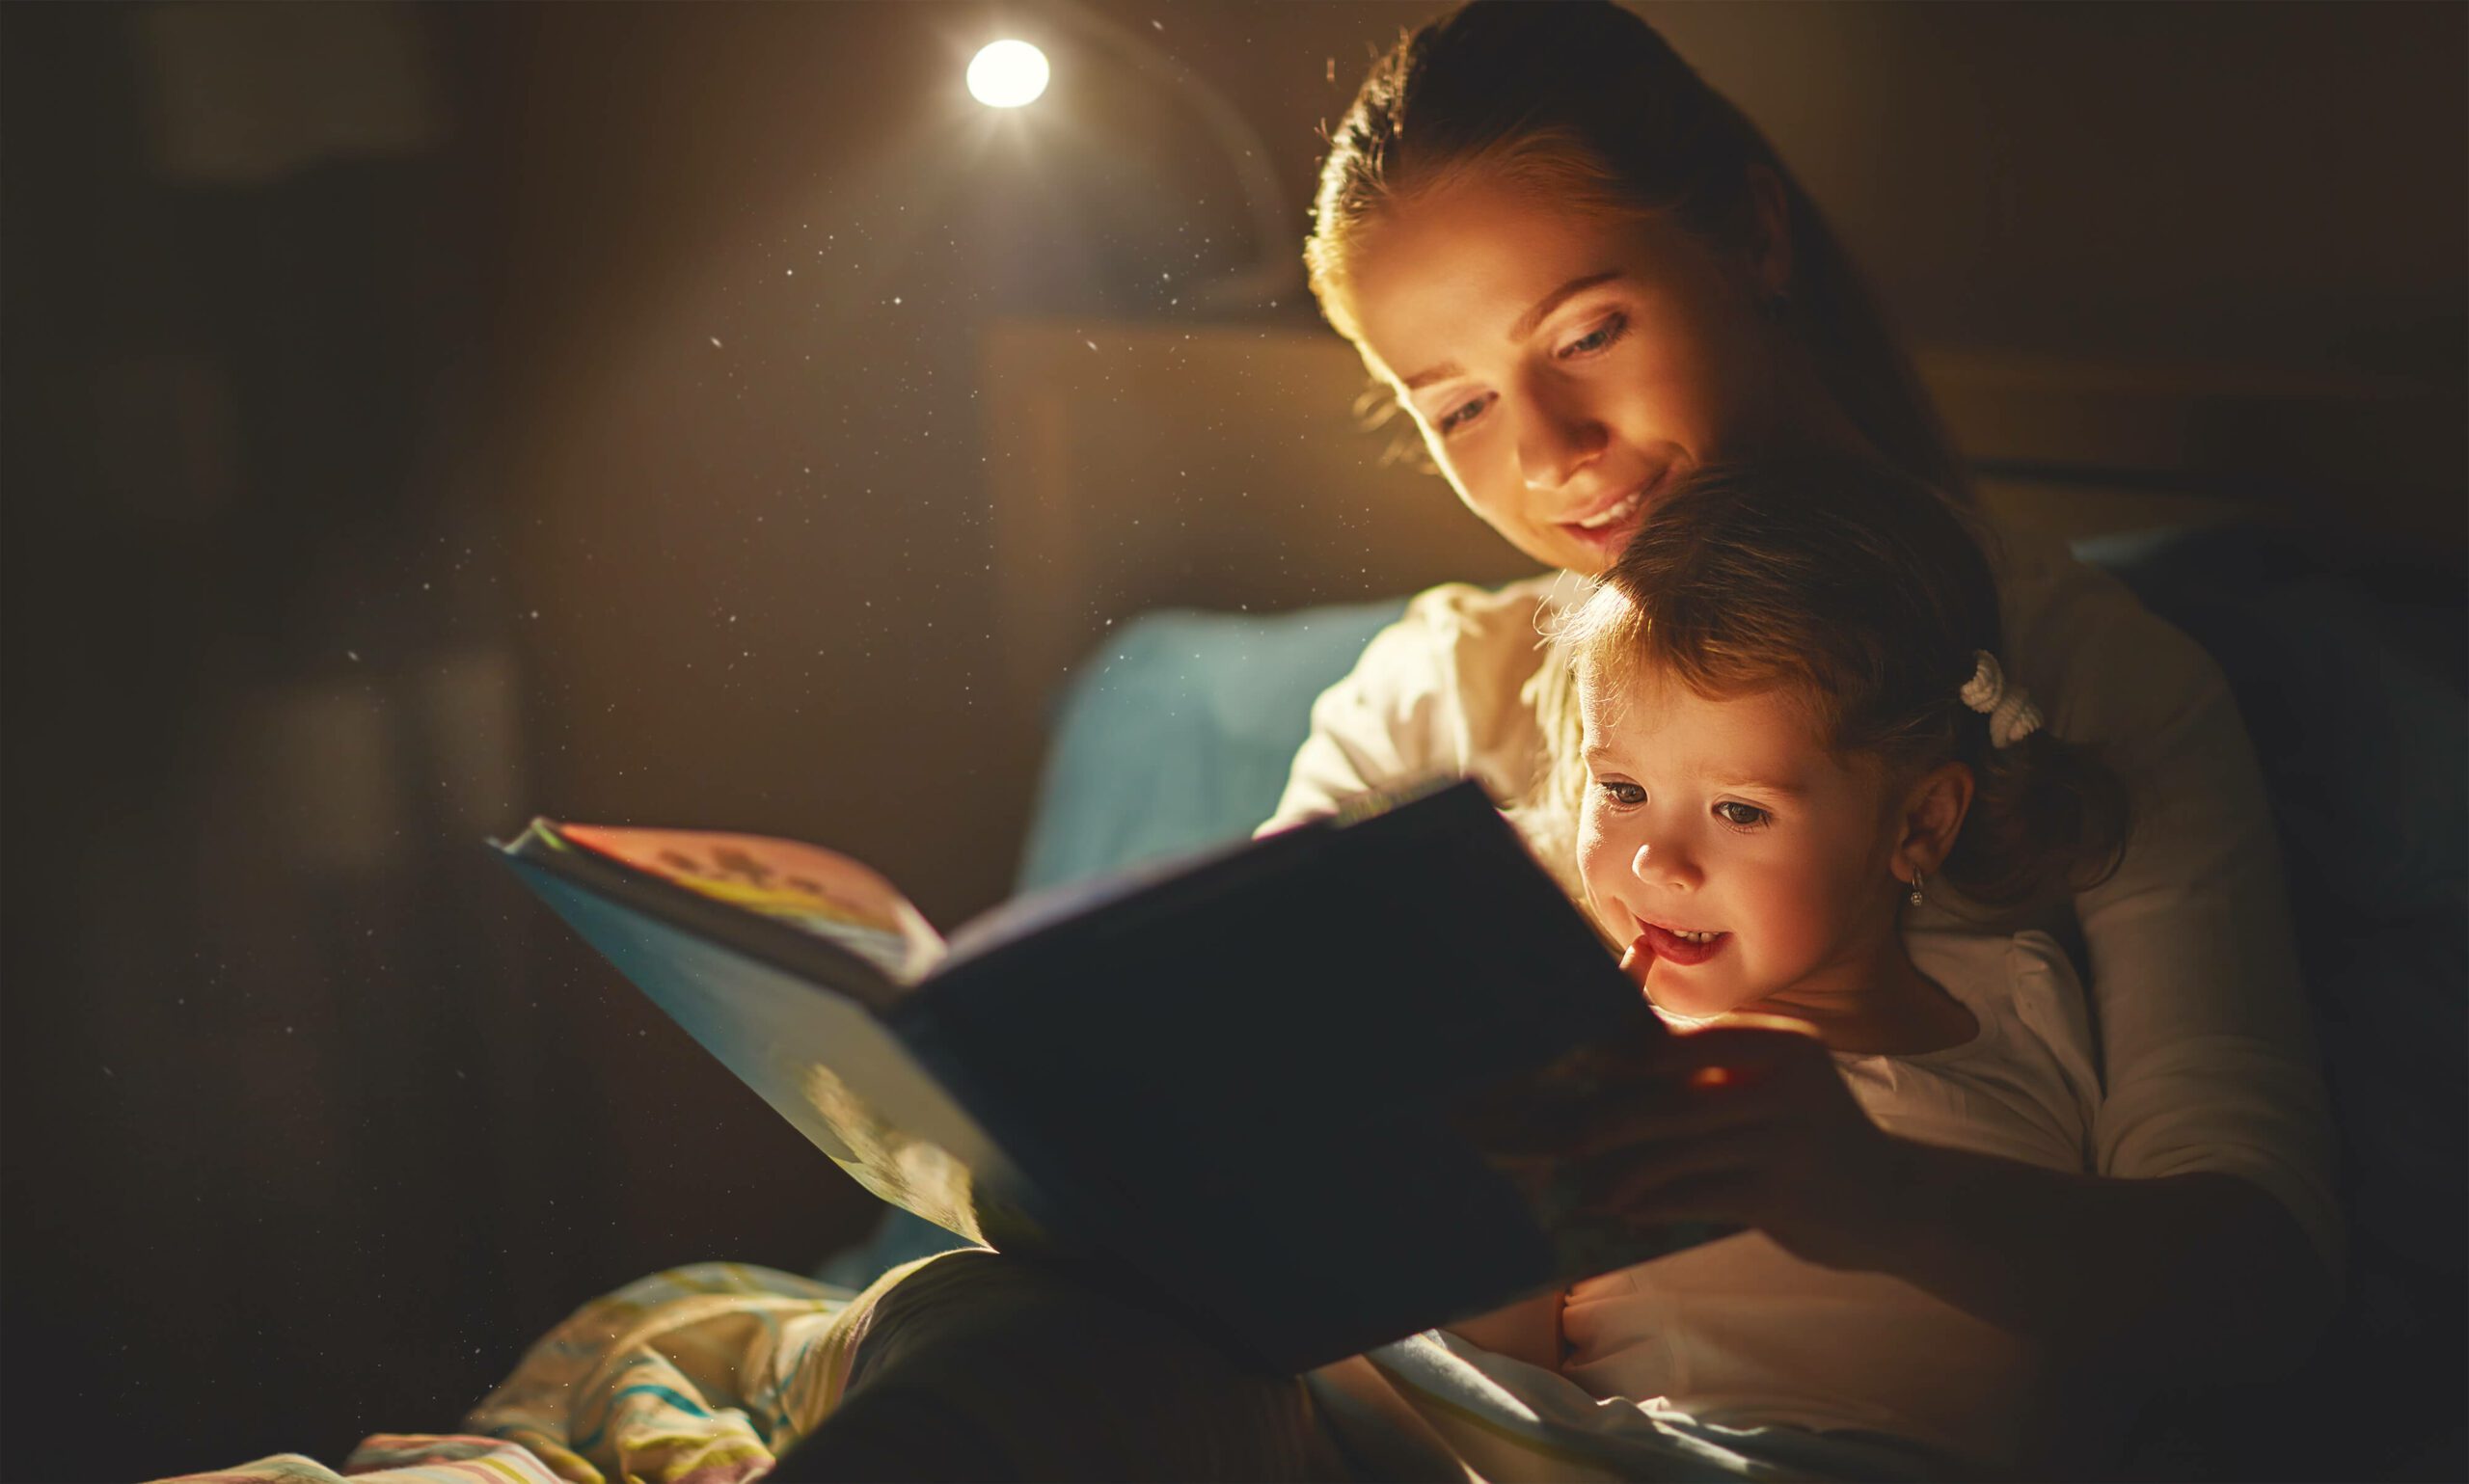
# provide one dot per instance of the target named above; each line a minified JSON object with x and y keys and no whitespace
{"x":1556,"y":437}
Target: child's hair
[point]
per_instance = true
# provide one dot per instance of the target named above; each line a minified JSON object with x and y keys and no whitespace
{"x":1587,"y":104}
{"x":1865,"y":595}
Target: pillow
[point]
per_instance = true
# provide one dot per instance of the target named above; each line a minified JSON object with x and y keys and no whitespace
{"x":1179,"y":734}
{"x":2352,"y":696}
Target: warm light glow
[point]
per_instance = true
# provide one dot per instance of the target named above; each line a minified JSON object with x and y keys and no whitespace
{"x":1007,"y":74}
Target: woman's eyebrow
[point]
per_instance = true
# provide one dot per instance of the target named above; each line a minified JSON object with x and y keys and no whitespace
{"x":1524,"y":327}
{"x":1532,"y":317}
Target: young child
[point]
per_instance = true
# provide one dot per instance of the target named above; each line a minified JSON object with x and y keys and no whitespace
{"x":1789,"y":723}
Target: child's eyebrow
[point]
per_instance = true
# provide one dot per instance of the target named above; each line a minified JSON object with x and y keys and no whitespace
{"x":1762,"y":786}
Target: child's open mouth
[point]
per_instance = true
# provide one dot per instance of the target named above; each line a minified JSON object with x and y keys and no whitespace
{"x":1683,"y":947}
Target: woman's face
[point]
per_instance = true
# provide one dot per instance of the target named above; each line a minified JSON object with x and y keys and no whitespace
{"x":1565,"y":365}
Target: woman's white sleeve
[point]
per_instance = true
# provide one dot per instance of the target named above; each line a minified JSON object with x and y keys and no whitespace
{"x":1383,"y":724}
{"x":2208,"y":1057}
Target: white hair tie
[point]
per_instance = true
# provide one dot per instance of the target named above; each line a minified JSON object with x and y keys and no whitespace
{"x":2012,"y":715}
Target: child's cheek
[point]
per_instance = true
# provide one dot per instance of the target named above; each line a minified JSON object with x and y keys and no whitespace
{"x":1600,"y":885}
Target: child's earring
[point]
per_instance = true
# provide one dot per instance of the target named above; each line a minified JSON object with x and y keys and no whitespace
{"x":1916,"y":888}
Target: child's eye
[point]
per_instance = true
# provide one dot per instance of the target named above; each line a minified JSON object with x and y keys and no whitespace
{"x":1601,"y":337}
{"x":1740,"y":815}
{"x":1625,"y":796}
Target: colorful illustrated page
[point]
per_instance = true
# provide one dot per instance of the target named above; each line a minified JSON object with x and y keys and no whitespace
{"x":821,"y":891}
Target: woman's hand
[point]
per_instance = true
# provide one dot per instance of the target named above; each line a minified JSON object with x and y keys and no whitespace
{"x":1750,"y":1122}
{"x":1745,"y":1123}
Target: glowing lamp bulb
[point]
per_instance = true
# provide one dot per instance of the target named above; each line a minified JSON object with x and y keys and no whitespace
{"x":1006,"y":74}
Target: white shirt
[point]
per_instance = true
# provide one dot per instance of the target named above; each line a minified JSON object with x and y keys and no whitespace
{"x":1740,"y":1333}
{"x":2204,"y":1050}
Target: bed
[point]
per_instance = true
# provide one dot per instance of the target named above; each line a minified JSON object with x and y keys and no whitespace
{"x":1193,"y":531}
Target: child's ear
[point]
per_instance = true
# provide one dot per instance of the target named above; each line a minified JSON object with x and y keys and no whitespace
{"x":1933,"y":815}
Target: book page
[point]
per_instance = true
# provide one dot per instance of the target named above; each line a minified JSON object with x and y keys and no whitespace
{"x":818,"y":891}
{"x":825,"y":1061}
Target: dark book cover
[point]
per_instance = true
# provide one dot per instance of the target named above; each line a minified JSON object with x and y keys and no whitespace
{"x":1243,"y":1079}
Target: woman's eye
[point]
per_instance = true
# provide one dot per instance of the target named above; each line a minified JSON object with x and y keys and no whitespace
{"x":1626,"y":796}
{"x":1740,"y":815}
{"x":1457,"y":415}
{"x":1600,"y":338}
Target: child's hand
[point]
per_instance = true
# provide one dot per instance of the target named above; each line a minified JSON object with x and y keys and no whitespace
{"x":1748,"y":1122}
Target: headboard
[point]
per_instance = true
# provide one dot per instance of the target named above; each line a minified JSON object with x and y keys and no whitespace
{"x":1141,"y":465}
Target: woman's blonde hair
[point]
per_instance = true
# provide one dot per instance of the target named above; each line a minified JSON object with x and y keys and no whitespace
{"x":1866,"y":597}
{"x":1588,"y":104}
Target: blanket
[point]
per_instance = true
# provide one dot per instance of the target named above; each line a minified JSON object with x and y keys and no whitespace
{"x":697,"y":1375}
{"x":708,"y":1374}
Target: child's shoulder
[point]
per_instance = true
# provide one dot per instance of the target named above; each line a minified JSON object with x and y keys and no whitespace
{"x":2035,"y":1052}
{"x":2005,"y":976}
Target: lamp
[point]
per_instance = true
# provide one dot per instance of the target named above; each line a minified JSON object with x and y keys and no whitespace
{"x":1007,"y":74}
{"x":1011,"y":73}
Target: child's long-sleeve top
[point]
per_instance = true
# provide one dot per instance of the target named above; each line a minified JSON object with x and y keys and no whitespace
{"x":1740,"y":1333}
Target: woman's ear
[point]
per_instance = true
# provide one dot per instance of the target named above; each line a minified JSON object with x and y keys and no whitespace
{"x":1932,"y":816}
{"x":1770,"y":247}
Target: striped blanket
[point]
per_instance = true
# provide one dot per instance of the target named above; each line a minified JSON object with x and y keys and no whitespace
{"x":707,"y":1375}
{"x":699,"y":1375}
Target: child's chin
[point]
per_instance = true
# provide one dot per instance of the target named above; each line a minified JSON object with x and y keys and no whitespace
{"x":1687,"y":1001}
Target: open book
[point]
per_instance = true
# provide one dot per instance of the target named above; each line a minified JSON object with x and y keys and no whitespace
{"x":1241,"y":1078}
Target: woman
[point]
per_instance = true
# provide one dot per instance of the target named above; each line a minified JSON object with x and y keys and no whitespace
{"x":1582,"y":274}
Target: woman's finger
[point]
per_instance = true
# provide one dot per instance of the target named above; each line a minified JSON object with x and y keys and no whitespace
{"x":1716,"y":1196}
{"x":1742,"y":1048}
{"x":1700,"y":1112}
{"x":1645,"y":1173}
{"x":1760,"y":1020}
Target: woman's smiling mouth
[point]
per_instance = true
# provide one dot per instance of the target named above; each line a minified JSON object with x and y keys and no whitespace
{"x":1606,"y":529}
{"x":1621,"y":511}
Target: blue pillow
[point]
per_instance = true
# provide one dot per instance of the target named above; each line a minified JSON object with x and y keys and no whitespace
{"x":1179,"y":734}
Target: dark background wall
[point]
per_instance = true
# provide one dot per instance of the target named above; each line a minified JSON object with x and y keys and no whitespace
{"x":415,"y":418}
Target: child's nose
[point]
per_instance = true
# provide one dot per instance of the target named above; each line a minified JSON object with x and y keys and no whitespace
{"x":1665,"y":865}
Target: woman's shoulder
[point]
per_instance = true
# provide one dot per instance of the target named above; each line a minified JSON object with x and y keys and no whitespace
{"x":1442,"y":689}
{"x":1470,"y":648}
{"x":1454,"y":614}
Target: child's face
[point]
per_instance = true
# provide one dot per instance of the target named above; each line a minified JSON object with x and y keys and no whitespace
{"x":1730,"y":818}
